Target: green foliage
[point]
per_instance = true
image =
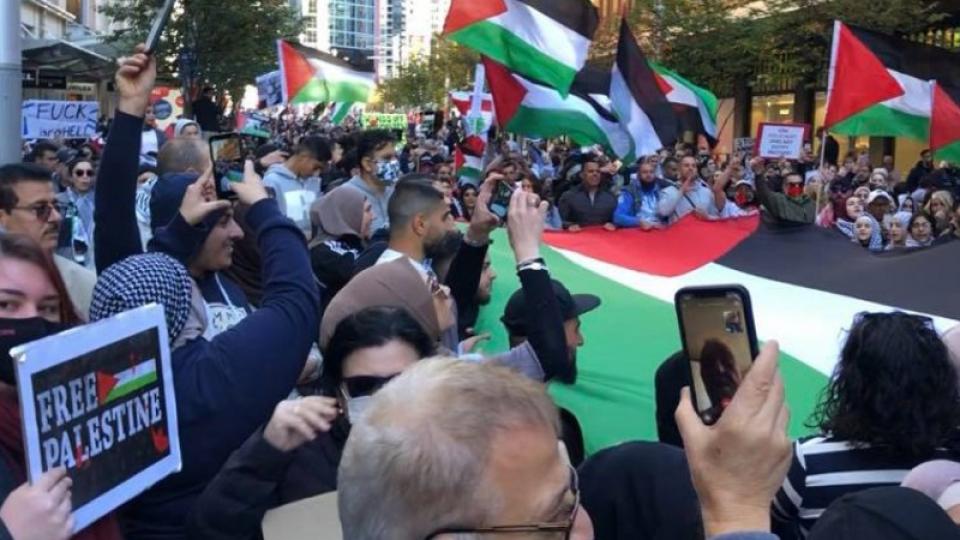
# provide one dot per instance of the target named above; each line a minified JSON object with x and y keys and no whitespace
{"x":425,"y":81}
{"x":233,"y":41}
{"x":720,"y":42}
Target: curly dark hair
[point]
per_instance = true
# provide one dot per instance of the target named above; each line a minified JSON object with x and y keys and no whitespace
{"x":894,"y":387}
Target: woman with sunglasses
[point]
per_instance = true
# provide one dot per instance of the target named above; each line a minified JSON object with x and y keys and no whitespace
{"x":892,"y":404}
{"x":76,"y":234}
{"x":297,"y":453}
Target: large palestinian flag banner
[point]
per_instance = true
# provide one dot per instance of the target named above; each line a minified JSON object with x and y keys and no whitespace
{"x":695,"y":106}
{"x":312,"y":76}
{"x":807,"y":284}
{"x":884,"y":86}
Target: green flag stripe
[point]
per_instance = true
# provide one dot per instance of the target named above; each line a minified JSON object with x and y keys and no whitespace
{"x":506,"y":48}
{"x":883,"y":121}
{"x":317,"y":91}
{"x":627,"y":339}
{"x":950,"y":152}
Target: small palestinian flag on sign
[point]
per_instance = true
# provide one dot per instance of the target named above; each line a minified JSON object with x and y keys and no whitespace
{"x":883,"y":86}
{"x":545,"y":40}
{"x":311,"y":76}
{"x":529,"y":108}
{"x":113,"y":386}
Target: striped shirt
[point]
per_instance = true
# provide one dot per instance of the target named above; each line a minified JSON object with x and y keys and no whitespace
{"x":825,"y":469}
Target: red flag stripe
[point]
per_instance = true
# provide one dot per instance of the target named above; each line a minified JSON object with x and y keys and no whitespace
{"x":859,"y":79}
{"x":945,"y":121}
{"x":466,"y":12}
{"x":507,"y":92}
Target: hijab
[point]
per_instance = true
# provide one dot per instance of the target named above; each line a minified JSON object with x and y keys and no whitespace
{"x":876,"y":238}
{"x":393,"y":284}
{"x":337,"y":214}
{"x":181,"y":125}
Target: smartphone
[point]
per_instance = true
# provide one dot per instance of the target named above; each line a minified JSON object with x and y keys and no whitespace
{"x":229,"y":152}
{"x":500,"y":202}
{"x":720,"y":341}
{"x":159,"y":23}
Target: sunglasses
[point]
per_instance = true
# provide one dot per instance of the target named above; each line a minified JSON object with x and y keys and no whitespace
{"x":43,"y":210}
{"x":364,"y":385}
{"x":83,"y":172}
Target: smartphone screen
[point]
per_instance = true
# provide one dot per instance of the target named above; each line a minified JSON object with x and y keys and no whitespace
{"x":159,"y":23}
{"x":716,"y":325}
{"x":500,"y":201}
{"x":228,"y":153}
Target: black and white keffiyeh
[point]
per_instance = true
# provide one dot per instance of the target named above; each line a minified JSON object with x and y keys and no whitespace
{"x":140,"y":280}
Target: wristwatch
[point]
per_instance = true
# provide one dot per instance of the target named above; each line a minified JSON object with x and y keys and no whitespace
{"x":532,"y":264}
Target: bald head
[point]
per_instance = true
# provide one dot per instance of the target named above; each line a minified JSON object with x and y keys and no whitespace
{"x":183,"y":154}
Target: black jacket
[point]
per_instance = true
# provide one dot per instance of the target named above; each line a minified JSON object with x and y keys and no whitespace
{"x":257,"y":478}
{"x":576,"y":208}
{"x":333,"y":262}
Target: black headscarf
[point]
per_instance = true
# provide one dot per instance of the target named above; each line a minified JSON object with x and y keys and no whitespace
{"x":888,"y":513}
{"x":640,"y":490}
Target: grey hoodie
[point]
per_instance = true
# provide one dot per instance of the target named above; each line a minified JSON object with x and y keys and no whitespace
{"x":294,"y":195}
{"x":378,"y":202}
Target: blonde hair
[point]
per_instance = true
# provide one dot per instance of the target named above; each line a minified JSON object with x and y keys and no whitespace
{"x":416,"y":461}
{"x":944,"y":197}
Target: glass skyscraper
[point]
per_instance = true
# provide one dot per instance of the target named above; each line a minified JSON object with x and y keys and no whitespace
{"x":353,"y":29}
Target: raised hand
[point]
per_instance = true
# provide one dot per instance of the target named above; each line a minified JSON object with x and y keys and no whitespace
{"x":251,"y":190}
{"x":525,"y":222}
{"x":41,"y":511}
{"x":295,"y":422}
{"x":200,"y":200}
{"x":739,"y":463}
{"x":483,"y":222}
{"x":135,"y":78}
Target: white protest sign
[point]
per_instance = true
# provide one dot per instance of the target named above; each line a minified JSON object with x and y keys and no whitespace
{"x":99,"y":401}
{"x":781,"y":140}
{"x":43,"y":119}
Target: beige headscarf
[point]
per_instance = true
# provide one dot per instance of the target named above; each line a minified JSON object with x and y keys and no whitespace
{"x":338,"y":213}
{"x":393,"y":284}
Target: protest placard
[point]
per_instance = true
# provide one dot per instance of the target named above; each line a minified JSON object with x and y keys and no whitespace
{"x":99,"y":401}
{"x":270,"y":89}
{"x":41,"y":119}
{"x":775,"y":141}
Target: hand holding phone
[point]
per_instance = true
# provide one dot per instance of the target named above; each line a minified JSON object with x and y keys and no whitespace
{"x":159,"y":24}
{"x":500,"y":202}
{"x":720,"y":342}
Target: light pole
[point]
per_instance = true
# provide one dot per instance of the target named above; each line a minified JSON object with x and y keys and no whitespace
{"x":11,"y":77}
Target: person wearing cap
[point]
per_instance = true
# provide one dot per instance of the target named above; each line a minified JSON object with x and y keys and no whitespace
{"x":879,"y":203}
{"x":227,"y":385}
{"x":295,"y":183}
{"x":793,"y":206}
{"x":637,"y":204}
{"x":521,"y":327}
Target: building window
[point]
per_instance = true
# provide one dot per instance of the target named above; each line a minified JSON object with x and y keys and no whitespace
{"x":775,"y":108}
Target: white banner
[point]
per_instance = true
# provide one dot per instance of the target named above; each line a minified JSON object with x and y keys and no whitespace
{"x":59,"y":119}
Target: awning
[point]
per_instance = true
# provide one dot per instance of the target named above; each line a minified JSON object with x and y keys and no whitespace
{"x":63,"y":57}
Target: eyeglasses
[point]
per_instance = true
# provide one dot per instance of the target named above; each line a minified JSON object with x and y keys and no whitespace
{"x":43,"y":210}
{"x":537,"y":528}
{"x":83,"y":172}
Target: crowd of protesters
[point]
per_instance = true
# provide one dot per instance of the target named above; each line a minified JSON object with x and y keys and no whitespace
{"x":322,"y":328}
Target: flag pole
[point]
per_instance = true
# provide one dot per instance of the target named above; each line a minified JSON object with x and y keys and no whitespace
{"x":831,"y":71}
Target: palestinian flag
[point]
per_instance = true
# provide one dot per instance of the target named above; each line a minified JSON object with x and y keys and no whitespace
{"x":339,"y":111}
{"x":883,"y":86}
{"x":643,"y":110}
{"x":695,"y":106}
{"x":311,"y":76}
{"x":945,"y":123}
{"x":113,"y":386}
{"x":806,"y":285}
{"x":532,"y":109}
{"x":545,"y":40}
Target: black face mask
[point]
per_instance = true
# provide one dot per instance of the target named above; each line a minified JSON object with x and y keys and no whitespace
{"x":444,"y":248}
{"x":14,"y":332}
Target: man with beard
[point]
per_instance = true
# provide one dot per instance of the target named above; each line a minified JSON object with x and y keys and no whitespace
{"x":571,"y":308}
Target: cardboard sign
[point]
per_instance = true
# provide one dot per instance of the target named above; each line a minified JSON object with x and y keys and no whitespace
{"x":744,"y":145}
{"x":315,"y":518}
{"x":43,"y":119}
{"x":99,"y":400}
{"x":383,"y":121}
{"x":775,"y":141}
{"x":270,"y":89}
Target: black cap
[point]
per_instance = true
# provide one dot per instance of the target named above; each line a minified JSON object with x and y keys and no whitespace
{"x":571,"y":307}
